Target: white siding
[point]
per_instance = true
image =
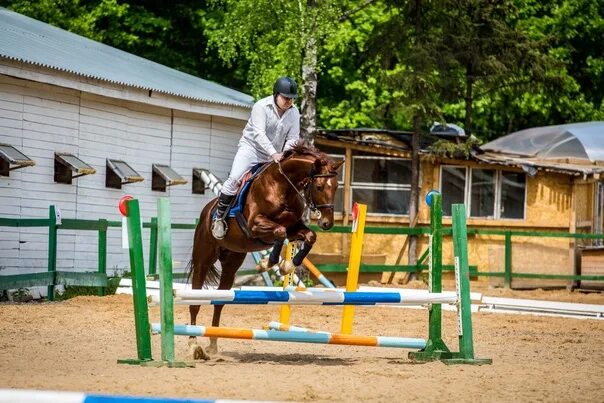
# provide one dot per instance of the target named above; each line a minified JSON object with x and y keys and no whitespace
{"x":41,"y":119}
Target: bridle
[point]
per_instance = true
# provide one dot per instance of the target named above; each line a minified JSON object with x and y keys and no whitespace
{"x":306,"y":193}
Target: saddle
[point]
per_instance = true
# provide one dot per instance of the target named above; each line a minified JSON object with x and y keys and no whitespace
{"x":236,"y":208}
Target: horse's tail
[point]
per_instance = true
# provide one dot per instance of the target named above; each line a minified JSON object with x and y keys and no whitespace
{"x":212,"y":277}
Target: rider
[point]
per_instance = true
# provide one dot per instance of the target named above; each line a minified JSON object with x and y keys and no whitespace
{"x":273,"y":127}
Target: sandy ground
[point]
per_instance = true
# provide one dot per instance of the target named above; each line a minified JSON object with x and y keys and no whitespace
{"x":74,"y":345}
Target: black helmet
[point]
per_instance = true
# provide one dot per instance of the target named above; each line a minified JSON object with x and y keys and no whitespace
{"x":286,"y":86}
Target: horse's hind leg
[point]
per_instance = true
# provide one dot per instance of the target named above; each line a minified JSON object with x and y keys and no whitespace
{"x":204,"y":257}
{"x":230,"y":262}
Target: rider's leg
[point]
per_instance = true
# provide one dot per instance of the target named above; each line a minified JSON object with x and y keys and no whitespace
{"x":244,"y":159}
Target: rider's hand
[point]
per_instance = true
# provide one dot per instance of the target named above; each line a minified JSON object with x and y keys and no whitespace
{"x":277,"y":157}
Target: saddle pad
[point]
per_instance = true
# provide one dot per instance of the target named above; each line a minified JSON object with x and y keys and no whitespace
{"x":248,"y":177}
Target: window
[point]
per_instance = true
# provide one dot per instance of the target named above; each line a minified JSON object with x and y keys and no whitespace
{"x":119,"y":173}
{"x":489,"y":193}
{"x":513,"y":190}
{"x":339,"y":197}
{"x":11,"y":158}
{"x":482,"y":196}
{"x":202,"y":179}
{"x":453,"y":185}
{"x":599,"y":213}
{"x":67,"y":164}
{"x":383,"y":183}
{"x":199,"y":184}
{"x":164,"y":176}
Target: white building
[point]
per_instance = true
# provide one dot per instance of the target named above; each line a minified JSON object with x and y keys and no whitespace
{"x":62,"y":93}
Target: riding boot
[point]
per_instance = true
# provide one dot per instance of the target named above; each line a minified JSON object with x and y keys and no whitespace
{"x":219,"y":227}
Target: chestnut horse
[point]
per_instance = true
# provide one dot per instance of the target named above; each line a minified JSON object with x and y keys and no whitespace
{"x":277,"y":201}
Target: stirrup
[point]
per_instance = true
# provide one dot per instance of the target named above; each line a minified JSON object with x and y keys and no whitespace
{"x":219,"y":228}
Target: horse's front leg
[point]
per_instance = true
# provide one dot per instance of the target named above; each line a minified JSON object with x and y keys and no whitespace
{"x":273,"y":259}
{"x":308,"y":236}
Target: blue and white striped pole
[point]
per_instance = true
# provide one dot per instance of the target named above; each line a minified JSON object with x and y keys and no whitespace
{"x":222,"y":297}
{"x":41,"y":396}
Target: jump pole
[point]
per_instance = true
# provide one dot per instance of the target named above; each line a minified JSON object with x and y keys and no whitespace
{"x":293,"y":336}
{"x":465,"y":356}
{"x":359,"y":211}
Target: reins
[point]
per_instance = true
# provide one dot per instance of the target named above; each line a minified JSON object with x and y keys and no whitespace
{"x":305,"y":194}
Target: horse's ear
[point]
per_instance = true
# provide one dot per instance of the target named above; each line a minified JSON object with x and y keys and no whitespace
{"x":319,"y":162}
{"x":335,"y":166}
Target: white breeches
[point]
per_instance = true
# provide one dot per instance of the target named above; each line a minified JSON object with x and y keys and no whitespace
{"x":245,"y":158}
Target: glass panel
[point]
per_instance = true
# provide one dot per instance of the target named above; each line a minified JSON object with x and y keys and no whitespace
{"x":599,"y":216}
{"x":483,"y":193}
{"x":167,"y":172}
{"x":12,"y":154}
{"x":513,"y":187}
{"x":337,"y":158}
{"x":383,"y":201}
{"x":123,"y":169}
{"x":74,"y":161}
{"x":453,"y":187}
{"x":381,"y":170}
{"x":339,"y":200}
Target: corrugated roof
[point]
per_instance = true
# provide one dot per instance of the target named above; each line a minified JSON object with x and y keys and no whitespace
{"x":31,"y":41}
{"x":574,"y":148}
{"x":573,"y":142}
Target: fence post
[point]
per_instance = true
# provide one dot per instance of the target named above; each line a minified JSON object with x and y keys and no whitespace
{"x":139,"y":292}
{"x":102,"y":246}
{"x":436,"y":272}
{"x":153,"y":247}
{"x":163,"y":233}
{"x":508,"y":259}
{"x":52,"y":250}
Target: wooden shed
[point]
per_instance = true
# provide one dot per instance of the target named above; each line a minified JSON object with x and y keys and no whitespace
{"x":502,"y":194}
{"x":82,"y":124}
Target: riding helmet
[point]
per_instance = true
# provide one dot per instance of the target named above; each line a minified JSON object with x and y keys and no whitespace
{"x":286,"y":86}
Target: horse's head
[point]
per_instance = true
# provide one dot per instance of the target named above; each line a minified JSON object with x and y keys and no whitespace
{"x":322,"y":189}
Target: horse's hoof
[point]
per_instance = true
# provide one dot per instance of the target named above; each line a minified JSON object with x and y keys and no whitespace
{"x":263,"y":265}
{"x":212,"y":349}
{"x":198,"y":352}
{"x":286,"y":267}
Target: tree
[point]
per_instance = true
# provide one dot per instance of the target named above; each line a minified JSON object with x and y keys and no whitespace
{"x":165,"y":31}
{"x":278,"y":38}
{"x":405,"y":43}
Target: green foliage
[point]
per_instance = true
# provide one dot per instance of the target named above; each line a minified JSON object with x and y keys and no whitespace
{"x":267,"y":36}
{"x":448,"y":149}
{"x":381,"y":63}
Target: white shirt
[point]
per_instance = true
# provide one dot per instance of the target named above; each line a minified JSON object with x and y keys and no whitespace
{"x":267,"y":133}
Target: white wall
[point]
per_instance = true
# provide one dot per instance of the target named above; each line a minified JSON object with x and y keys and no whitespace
{"x":41,"y":119}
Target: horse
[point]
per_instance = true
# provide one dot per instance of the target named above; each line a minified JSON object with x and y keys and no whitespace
{"x":278,"y":200}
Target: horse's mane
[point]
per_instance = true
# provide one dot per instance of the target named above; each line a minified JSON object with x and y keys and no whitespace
{"x":304,"y":148}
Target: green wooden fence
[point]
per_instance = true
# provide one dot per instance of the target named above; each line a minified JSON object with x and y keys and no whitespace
{"x":52,"y":277}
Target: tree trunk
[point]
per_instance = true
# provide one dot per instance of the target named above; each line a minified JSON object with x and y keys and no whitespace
{"x":308,"y":118}
{"x":417,"y":121}
{"x":469,"y":99}
{"x":414,"y":197}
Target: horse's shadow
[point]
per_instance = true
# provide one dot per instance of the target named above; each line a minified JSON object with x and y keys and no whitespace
{"x":300,"y":359}
{"x":287,"y":359}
